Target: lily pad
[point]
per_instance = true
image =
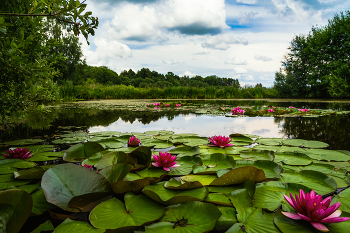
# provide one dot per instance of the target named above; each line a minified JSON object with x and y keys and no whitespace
{"x":328,"y":155}
{"x":46,"y":226}
{"x":116,"y":172}
{"x":115,"y":157}
{"x":212,"y":163}
{"x":257,"y":154}
{"x":76,"y":227}
{"x":185,"y":151}
{"x":292,"y":158}
{"x":40,"y":204}
{"x":186,"y":163}
{"x":218,"y":199}
{"x":110,"y":143}
{"x":271,"y":169}
{"x":227,"y":219}
{"x":15,"y":207}
{"x":186,"y":217}
{"x":23,"y":142}
{"x":16,"y":163}
{"x":174,"y":184}
{"x":269,"y":141}
{"x":304,"y":143}
{"x":136,"y":211}
{"x":105,"y":133}
{"x":82,"y":151}
{"x":170,"y":197}
{"x":60,"y":184}
{"x":32,"y":173}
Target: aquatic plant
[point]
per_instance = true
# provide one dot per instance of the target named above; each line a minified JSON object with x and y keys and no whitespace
{"x":291,"y":107}
{"x":270,"y":110}
{"x":220,"y":141}
{"x":166,"y":105}
{"x":156,"y":104}
{"x":303,"y":110}
{"x":165,"y":160}
{"x":237,"y":111}
{"x":133,"y":141}
{"x":311,"y":208}
{"x":178,"y":105}
{"x":18,"y":153}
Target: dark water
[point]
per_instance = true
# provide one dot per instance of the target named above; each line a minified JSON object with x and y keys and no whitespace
{"x":330,"y":129}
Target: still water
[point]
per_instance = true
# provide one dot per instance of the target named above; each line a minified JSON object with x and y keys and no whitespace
{"x":330,"y":129}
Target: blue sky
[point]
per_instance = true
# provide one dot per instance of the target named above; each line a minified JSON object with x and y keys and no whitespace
{"x":243,"y":39}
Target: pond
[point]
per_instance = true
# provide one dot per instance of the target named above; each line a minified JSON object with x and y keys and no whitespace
{"x":108,"y":183}
{"x":132,"y":116}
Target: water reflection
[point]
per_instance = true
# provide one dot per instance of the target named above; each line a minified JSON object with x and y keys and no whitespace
{"x":329,"y":129}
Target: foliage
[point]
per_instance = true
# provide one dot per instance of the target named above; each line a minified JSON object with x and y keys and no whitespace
{"x":317,"y":64}
{"x":27,"y":59}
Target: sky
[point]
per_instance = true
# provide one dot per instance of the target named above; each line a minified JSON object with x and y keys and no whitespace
{"x":240,"y":39}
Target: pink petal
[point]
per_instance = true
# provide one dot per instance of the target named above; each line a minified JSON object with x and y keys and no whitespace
{"x":289,"y":201}
{"x":326,"y":202}
{"x":303,"y":217}
{"x":155,"y":164}
{"x":319,"y":226}
{"x":176,"y":165}
{"x":334,"y":220}
{"x":317,"y":215}
{"x":291,"y":215}
{"x":331,"y":212}
{"x":166,"y":169}
{"x":336,"y":213}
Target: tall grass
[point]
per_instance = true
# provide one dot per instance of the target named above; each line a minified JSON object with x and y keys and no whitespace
{"x":98,"y":91}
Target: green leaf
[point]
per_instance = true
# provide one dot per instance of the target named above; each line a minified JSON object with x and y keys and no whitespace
{"x":115,"y":157}
{"x":32,"y":173}
{"x":174,"y":184}
{"x":212,"y":163}
{"x":15,"y":207}
{"x":16,"y":163}
{"x":170,"y":197}
{"x":304,"y":143}
{"x":76,"y":227}
{"x":185,"y":151}
{"x":116,"y":172}
{"x":257,"y":154}
{"x":82,"y":151}
{"x":218,"y":199}
{"x":271,"y":169}
{"x":240,"y":175}
{"x":292,"y":158}
{"x":186,"y":217}
{"x":136,"y":211}
{"x":227,"y":219}
{"x":40,"y":204}
{"x":65,"y":181}
{"x":46,"y":226}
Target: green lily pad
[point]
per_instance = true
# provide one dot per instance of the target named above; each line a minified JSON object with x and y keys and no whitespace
{"x":174,"y":184}
{"x":131,"y":182}
{"x":186,"y":217}
{"x":185,"y":151}
{"x":40,"y":204}
{"x":240,"y":175}
{"x":76,"y":227}
{"x":257,"y":154}
{"x":15,"y":207}
{"x":152,"y":133}
{"x":29,"y":188}
{"x":46,"y":226}
{"x":269,"y":141}
{"x":115,"y":157}
{"x":186,"y":163}
{"x":328,"y":155}
{"x":304,"y":143}
{"x":157,"y":144}
{"x":32,"y":173}
{"x":16,"y":163}
{"x":170,"y":197}
{"x":95,"y":158}
{"x":105,"y":133}
{"x":321,"y":183}
{"x":110,"y":143}
{"x":227,"y":219}
{"x":59,"y":184}
{"x":271,"y":169}
{"x":269,"y":195}
{"x":218,"y":199}
{"x":116,"y":172}
{"x":82,"y":151}
{"x":7,"y":170}
{"x":212,"y":163}
{"x":211,"y":150}
{"x":142,"y":154}
{"x":241,"y":138}
{"x":23,"y":142}
{"x":40,"y":148}
{"x":136,"y":211}
{"x":154,"y":175}
{"x":292,"y":158}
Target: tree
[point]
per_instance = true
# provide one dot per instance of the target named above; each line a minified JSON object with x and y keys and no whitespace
{"x":317,"y":64}
{"x":25,"y":60}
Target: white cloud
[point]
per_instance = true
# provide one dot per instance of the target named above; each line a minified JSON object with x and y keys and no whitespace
{"x":172,"y":62}
{"x":247,"y":1}
{"x":240,"y":70}
{"x":223,"y":42}
{"x":262,"y":58}
{"x":236,"y":61}
{"x":188,"y":73}
{"x":246,"y":16}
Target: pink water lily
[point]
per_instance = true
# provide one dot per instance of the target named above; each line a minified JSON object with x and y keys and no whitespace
{"x":220,"y":141}
{"x":87,"y":166}
{"x":237,"y":111}
{"x":178,"y":105}
{"x":291,"y":107}
{"x":133,"y":141}
{"x":303,"y":110}
{"x":166,"y":105}
{"x":311,"y":208}
{"x":147,"y":104}
{"x":156,"y":104}
{"x":18,"y":153}
{"x":270,"y":110}
{"x":165,"y":160}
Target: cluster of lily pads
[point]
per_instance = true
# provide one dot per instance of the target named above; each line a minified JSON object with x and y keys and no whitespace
{"x":158,"y":181}
{"x":161,"y":105}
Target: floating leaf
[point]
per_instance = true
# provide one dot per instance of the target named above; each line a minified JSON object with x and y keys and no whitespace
{"x":186,"y":163}
{"x":40,"y":204}
{"x":15,"y":207}
{"x":110,"y":143}
{"x":240,"y":175}
{"x":46,"y":226}
{"x":328,"y":155}
{"x":116,"y":172}
{"x":65,"y":181}
{"x":218,"y":199}
{"x":227,"y":219}
{"x":115,"y":157}
{"x":257,"y":154}
{"x":186,"y":217}
{"x":304,"y":143}
{"x":212,"y":163}
{"x":136,"y":211}
{"x":32,"y":173}
{"x":16,"y":163}
{"x":174,"y":184}
{"x":77,"y":227}
{"x":82,"y":151}
{"x":271,"y":169}
{"x":292,"y":158}
{"x":170,"y":197}
{"x":185,"y":151}
{"x":269,"y":141}
{"x":23,"y":142}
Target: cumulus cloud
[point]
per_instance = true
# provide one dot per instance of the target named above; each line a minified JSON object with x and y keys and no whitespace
{"x":188,"y":73}
{"x":172,"y":62}
{"x":223,"y":42}
{"x":106,"y":51}
{"x":144,"y":22}
{"x":246,"y":16}
{"x":247,"y":1}
{"x":236,"y":61}
{"x":262,"y":58}
{"x":240,"y":70}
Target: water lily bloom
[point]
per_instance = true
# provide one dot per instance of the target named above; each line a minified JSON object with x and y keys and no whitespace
{"x":165,"y":160}
{"x":270,"y":110}
{"x":291,"y":107}
{"x":133,"y":141}
{"x":303,"y":110}
{"x":178,"y":105}
{"x":18,"y":153}
{"x":87,"y":166}
{"x":220,"y":141}
{"x":237,"y":111}
{"x":167,"y":105}
{"x":311,"y":208}
{"x":156,"y":104}
{"x":147,"y":104}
